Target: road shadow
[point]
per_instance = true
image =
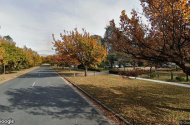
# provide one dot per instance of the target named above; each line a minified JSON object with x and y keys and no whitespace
{"x":58,"y":102}
{"x":39,"y":75}
{"x":42,"y":72}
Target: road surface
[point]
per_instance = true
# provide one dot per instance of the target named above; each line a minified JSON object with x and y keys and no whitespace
{"x":41,"y":97}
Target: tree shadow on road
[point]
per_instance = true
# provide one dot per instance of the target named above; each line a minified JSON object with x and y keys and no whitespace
{"x":58,"y":102}
{"x":39,"y":75}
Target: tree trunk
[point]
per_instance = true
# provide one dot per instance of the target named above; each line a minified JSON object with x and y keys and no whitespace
{"x":158,"y":74}
{"x":134,"y":67}
{"x":156,"y":67}
{"x":172,"y":75}
{"x":69,"y":68}
{"x":86,"y":69}
{"x":186,"y":69}
{"x":151,"y":69}
{"x":111,"y":65}
{"x":187,"y":78}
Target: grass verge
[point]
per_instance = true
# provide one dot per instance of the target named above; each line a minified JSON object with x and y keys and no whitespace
{"x":67,"y":72}
{"x":139,"y":102}
{"x":14,"y":74}
{"x":166,"y":76}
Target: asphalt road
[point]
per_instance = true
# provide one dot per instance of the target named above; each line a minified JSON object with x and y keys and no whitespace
{"x":41,"y":97}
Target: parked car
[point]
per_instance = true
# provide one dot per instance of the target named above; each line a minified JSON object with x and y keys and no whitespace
{"x":120,"y":66}
{"x":165,"y":66}
{"x":106,"y":67}
{"x":116,"y":66}
{"x":128,"y":65}
{"x":135,"y":65}
{"x":172,"y":65}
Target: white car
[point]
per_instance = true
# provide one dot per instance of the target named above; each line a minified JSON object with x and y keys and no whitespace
{"x":116,"y":66}
{"x":107,"y":67}
{"x":128,"y":65}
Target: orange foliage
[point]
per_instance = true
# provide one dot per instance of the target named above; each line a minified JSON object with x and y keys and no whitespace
{"x":2,"y":52}
{"x":166,"y":40}
{"x":80,"y":48}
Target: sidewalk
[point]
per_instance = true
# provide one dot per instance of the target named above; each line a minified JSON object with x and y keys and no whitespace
{"x":151,"y":80}
{"x":163,"y":82}
{"x":158,"y":81}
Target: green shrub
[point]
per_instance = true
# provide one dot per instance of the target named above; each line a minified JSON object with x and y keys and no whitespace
{"x":179,"y":78}
{"x":152,"y":75}
{"x":90,"y":69}
{"x":133,"y":73}
{"x":113,"y":72}
{"x":95,"y":69}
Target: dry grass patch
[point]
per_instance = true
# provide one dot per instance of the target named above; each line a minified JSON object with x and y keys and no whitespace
{"x":68,"y":72}
{"x":166,"y":76}
{"x":139,"y":102}
{"x":14,"y":74}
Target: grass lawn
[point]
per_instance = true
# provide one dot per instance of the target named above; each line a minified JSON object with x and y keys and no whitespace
{"x":139,"y":102}
{"x":166,"y":76}
{"x":68,"y":72}
{"x":14,"y":74}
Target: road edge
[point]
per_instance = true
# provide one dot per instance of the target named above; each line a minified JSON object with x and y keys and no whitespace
{"x":4,"y":81}
{"x":119,"y":118}
{"x":107,"y":111}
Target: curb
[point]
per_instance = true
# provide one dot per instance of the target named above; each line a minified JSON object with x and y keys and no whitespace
{"x":121,"y":119}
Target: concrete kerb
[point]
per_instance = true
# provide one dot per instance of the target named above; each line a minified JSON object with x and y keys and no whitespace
{"x":121,"y":119}
{"x":112,"y":122}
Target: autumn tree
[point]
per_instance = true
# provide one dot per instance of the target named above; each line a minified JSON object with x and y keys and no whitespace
{"x":14,"y":57}
{"x":32,"y":58}
{"x":2,"y":52}
{"x":83,"y":47}
{"x":65,"y":60}
{"x":108,"y":35}
{"x":166,"y":39}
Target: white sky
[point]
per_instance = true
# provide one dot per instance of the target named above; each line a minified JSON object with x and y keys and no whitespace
{"x":32,"y":22}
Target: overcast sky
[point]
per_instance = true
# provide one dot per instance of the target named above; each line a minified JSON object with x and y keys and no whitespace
{"x":32,"y":22}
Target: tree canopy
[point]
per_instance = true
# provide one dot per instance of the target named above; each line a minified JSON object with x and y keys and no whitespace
{"x":80,"y":48}
{"x":166,"y":39}
{"x":16,"y":58}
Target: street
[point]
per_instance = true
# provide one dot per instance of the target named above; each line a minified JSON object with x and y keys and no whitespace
{"x":41,"y":97}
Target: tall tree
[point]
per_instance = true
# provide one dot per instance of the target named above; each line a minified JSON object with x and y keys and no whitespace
{"x":108,"y":35}
{"x":167,"y":39}
{"x":2,"y":52}
{"x":83,"y":47}
{"x":111,"y":57}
